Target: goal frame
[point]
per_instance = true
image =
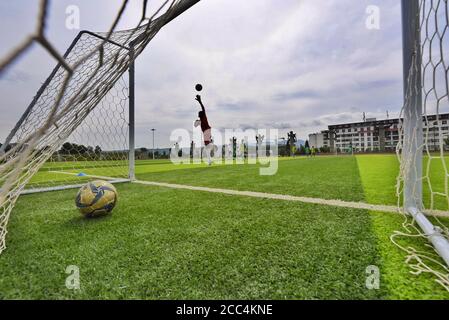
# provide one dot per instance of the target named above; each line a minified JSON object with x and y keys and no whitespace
{"x":412,"y":151}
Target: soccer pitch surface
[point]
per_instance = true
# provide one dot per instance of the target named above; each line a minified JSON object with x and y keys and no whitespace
{"x":166,"y":243}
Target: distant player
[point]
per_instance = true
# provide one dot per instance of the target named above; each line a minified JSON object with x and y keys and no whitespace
{"x":307,"y":151}
{"x":259,"y":140}
{"x":175,"y":150}
{"x":313,"y":151}
{"x":230,"y":148}
{"x":241,"y":149}
{"x":205,"y":127}
{"x":293,"y":150}
{"x":291,"y":143}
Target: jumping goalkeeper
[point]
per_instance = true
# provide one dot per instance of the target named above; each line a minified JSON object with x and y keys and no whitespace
{"x":205,"y":127}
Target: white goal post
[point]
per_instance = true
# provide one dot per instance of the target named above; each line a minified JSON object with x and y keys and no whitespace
{"x":413,"y":144}
{"x":424,"y":24}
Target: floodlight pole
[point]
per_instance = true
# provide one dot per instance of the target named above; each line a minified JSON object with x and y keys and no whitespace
{"x":132,"y":160}
{"x":412,"y":149}
{"x":153,"y":140}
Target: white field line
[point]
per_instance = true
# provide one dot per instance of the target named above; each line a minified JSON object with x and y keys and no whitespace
{"x":71,"y":186}
{"x":335,"y":203}
{"x":275,"y":196}
{"x":87,"y":175}
{"x":110,"y":179}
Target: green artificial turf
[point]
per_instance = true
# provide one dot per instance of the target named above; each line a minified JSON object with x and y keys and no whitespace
{"x":166,"y":243}
{"x":320,"y":177}
{"x":379,"y":174}
{"x":396,"y":274}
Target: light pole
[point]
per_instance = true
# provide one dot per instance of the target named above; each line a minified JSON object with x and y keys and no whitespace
{"x":153,"y":140}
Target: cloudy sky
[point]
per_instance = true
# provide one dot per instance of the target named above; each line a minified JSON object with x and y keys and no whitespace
{"x":289,"y":64}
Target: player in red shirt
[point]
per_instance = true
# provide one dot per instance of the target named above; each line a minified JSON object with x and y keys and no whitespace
{"x":205,"y":127}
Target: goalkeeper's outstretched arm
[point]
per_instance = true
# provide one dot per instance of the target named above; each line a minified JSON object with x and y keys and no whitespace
{"x":198,"y":98}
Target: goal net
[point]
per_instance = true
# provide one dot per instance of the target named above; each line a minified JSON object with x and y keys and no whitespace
{"x":76,"y":127}
{"x":423,"y":182}
{"x":97,"y":148}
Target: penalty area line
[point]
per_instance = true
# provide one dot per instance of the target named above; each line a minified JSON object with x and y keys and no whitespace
{"x":274,"y":196}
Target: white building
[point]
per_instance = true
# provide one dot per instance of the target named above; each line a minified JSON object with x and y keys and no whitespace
{"x":379,"y":135}
{"x":319,"y":140}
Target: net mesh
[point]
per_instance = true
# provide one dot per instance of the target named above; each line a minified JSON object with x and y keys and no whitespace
{"x":431,"y":190}
{"x":80,"y":106}
{"x":98,"y":147}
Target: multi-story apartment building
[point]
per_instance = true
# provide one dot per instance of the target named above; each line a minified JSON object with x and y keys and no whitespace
{"x":379,"y":135}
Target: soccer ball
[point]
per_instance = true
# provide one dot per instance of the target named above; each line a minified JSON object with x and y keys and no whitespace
{"x":96,"y":198}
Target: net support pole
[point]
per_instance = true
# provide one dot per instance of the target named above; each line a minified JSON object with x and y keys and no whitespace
{"x":412,"y":149}
{"x":413,"y":132}
{"x":131,"y":171}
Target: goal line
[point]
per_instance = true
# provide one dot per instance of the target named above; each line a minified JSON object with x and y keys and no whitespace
{"x":72,"y":186}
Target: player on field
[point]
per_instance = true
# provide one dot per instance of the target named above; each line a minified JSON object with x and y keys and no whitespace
{"x":313,"y":151}
{"x":205,"y":127}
